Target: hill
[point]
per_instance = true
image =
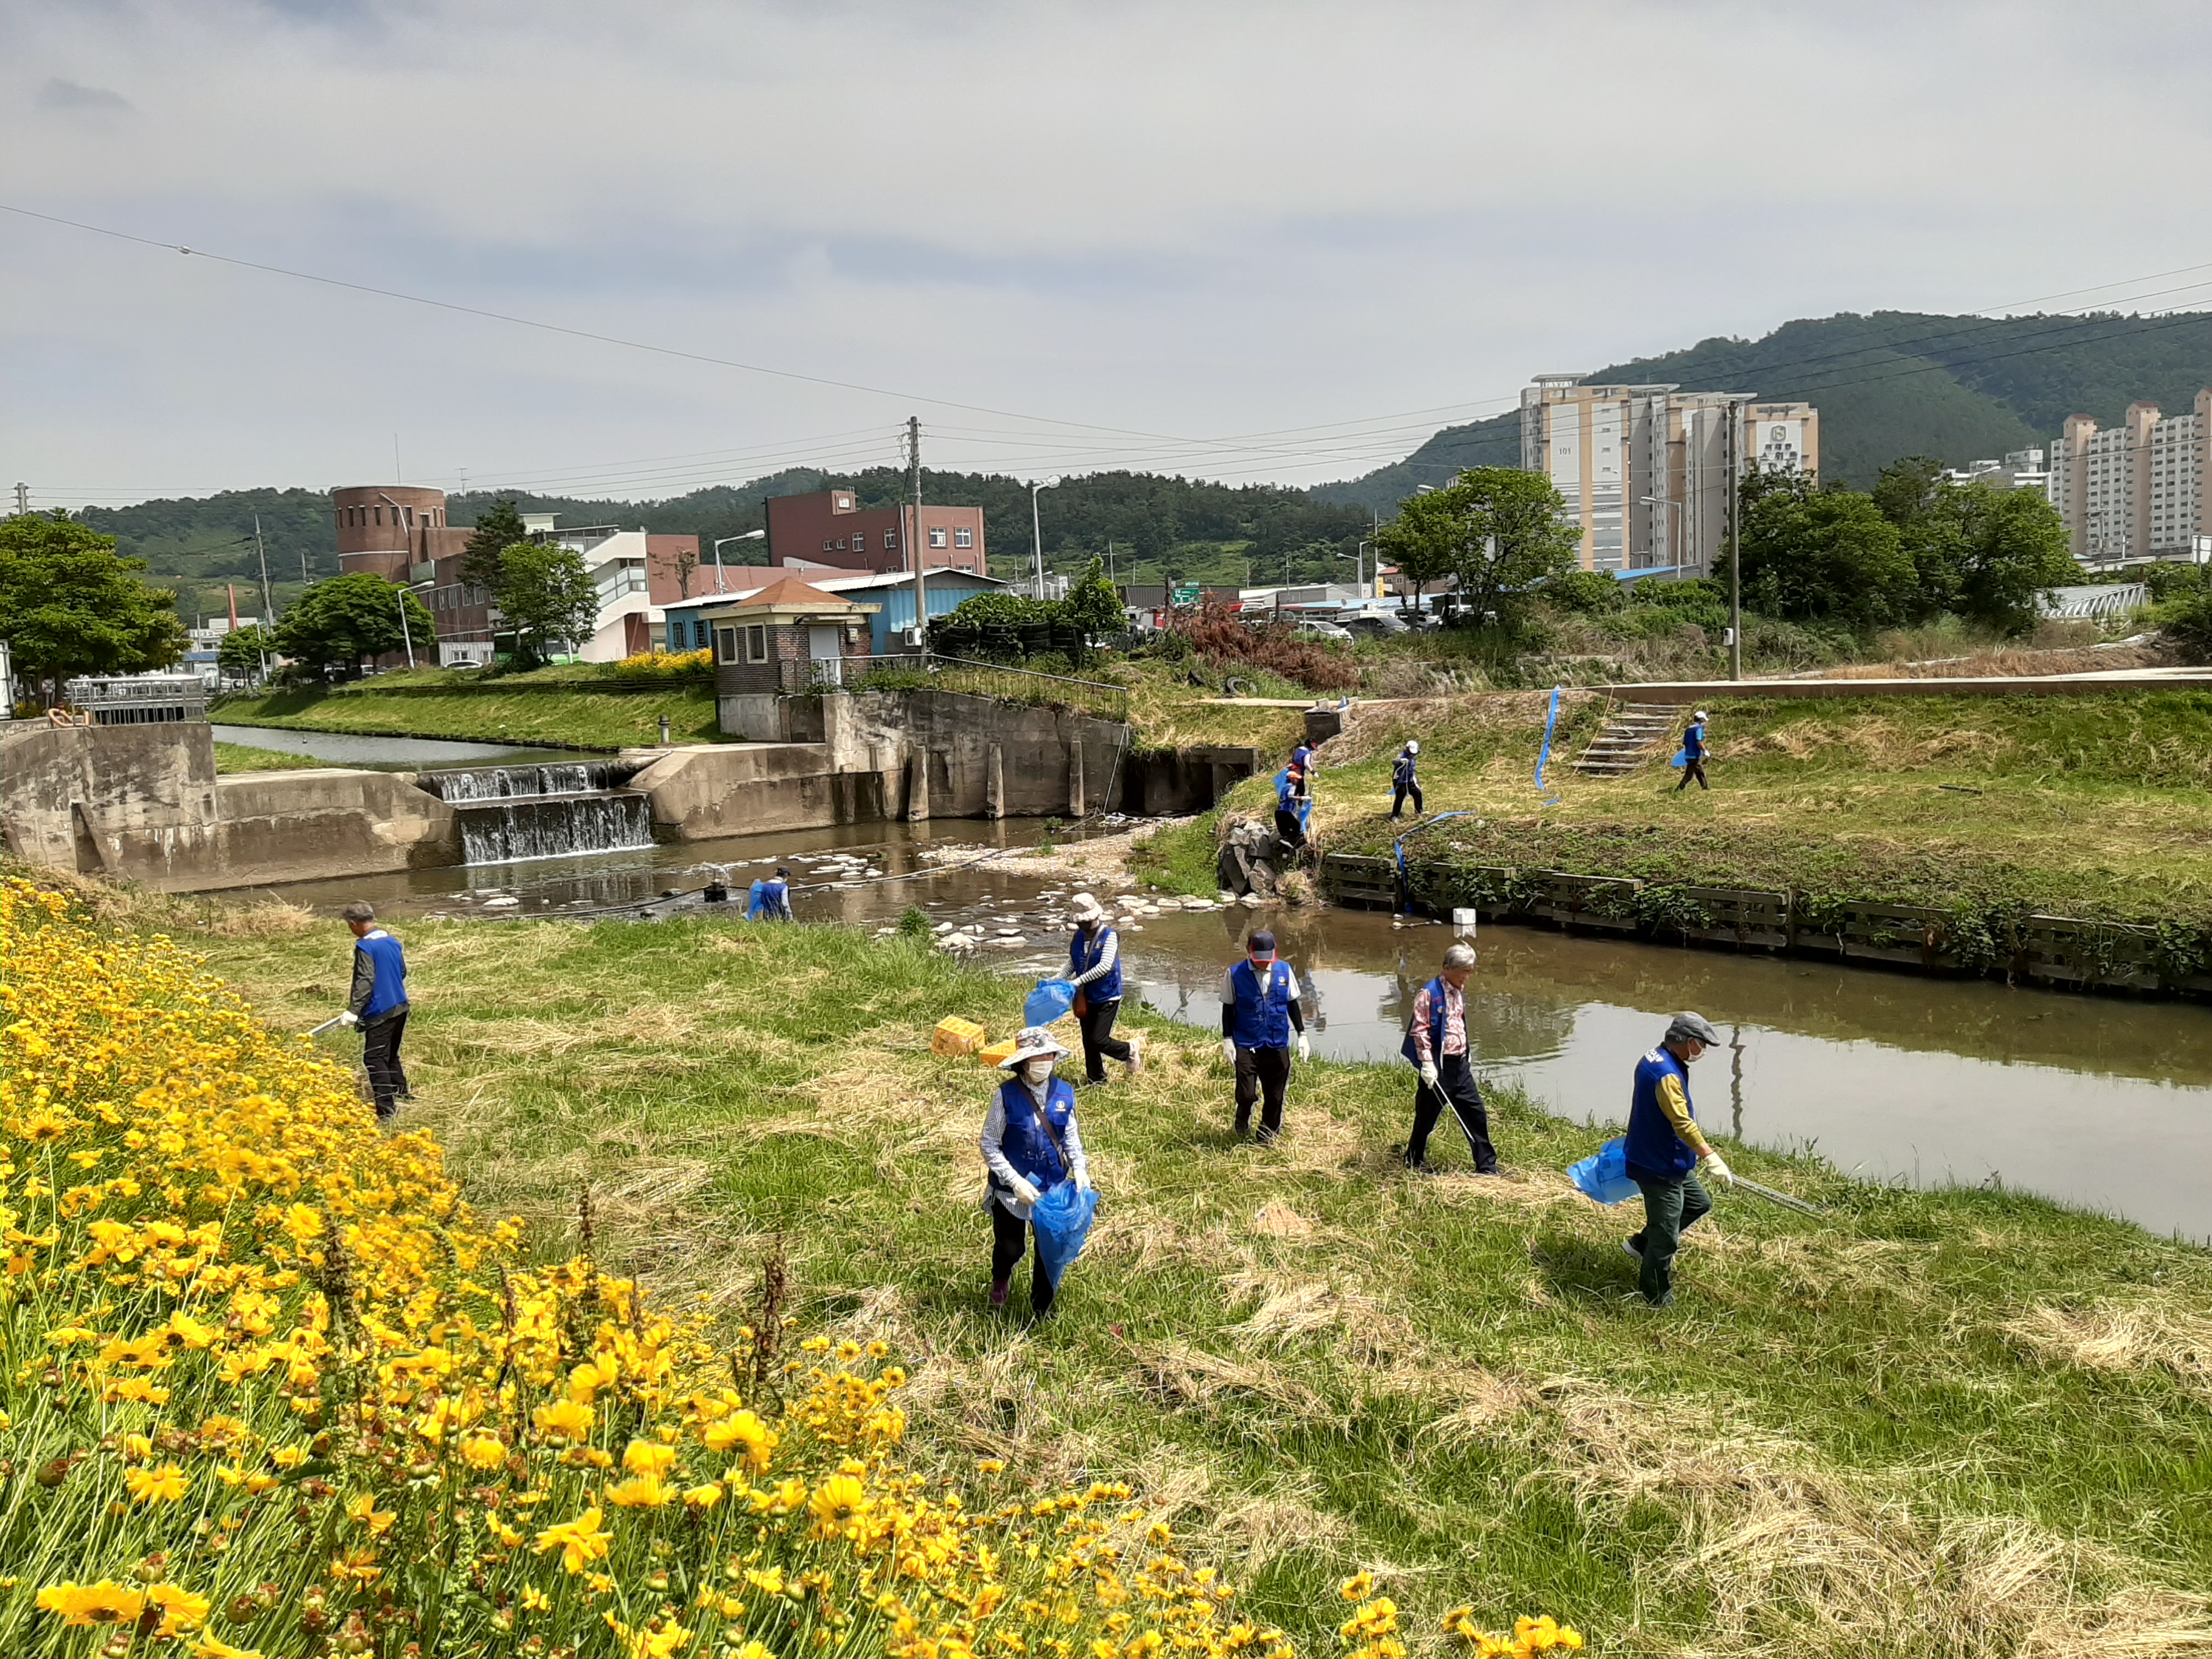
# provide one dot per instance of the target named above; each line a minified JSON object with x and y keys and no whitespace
{"x":1888,"y":384}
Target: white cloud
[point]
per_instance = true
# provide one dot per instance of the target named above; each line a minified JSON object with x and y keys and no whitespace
{"x":1195,"y":221}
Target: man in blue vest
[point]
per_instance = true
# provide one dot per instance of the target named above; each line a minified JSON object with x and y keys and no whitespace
{"x":1666,"y":1153}
{"x":1259,"y":1012}
{"x":1693,"y":753}
{"x":377,"y":1006}
{"x":1094,"y":967}
{"x":1436,"y":1042}
{"x":773,"y":903}
{"x":1405,"y":779}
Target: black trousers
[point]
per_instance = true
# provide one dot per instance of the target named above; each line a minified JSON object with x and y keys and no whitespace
{"x":1692,"y":768}
{"x":1287,"y":828}
{"x":379,"y":1057}
{"x":1398,"y":798}
{"x":1455,"y":1085}
{"x":1099,"y":1042}
{"x":1262,"y":1075}
{"x":1009,"y":1234}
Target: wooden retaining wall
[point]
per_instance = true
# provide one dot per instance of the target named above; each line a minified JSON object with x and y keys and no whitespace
{"x":2062,"y":951}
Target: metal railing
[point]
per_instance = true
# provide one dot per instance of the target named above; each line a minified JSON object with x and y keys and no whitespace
{"x":907,"y":671}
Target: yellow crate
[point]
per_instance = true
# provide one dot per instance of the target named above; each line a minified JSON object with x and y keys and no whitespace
{"x":997,"y":1053}
{"x":956,"y":1036}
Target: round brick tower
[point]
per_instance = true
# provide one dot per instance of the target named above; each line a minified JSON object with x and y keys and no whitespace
{"x":383,"y":528}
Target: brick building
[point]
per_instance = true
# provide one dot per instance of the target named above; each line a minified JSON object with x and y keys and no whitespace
{"x":787,"y":637}
{"x":831,"y":528}
{"x":399,"y":532}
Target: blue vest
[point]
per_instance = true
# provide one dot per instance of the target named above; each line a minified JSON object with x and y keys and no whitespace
{"x":1401,"y":773}
{"x":1025,"y":1143}
{"x":1083,"y":954}
{"x":771,"y":900}
{"x":1263,"y":1013}
{"x":1693,"y":741}
{"x":1435,"y":989}
{"x":1653,"y":1145}
{"x":391,"y":992}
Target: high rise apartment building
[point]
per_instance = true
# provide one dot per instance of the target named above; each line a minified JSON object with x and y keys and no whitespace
{"x":1644,"y":469}
{"x":2135,"y":492}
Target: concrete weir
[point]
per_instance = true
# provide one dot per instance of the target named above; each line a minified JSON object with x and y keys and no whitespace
{"x":144,"y":802}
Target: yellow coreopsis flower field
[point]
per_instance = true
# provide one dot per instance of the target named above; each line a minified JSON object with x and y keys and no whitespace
{"x":273,"y":1391}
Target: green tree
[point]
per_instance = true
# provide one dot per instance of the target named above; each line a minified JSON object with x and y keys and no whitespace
{"x":1584,"y":590}
{"x":498,"y":528}
{"x":1092,"y":605}
{"x":338,"y":624}
{"x":69,"y":605}
{"x":245,"y":651}
{"x":1987,"y":554}
{"x":548,"y":597}
{"x":1812,"y":555}
{"x":1499,"y":531}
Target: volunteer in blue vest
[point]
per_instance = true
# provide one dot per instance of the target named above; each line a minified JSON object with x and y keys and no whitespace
{"x":776,"y":897}
{"x":1666,"y":1153}
{"x":1404,"y":778}
{"x":1094,"y":967}
{"x":1437,"y":1043}
{"x":1031,"y":1144}
{"x":1693,"y":753}
{"x":378,"y":1005}
{"x":1259,"y":1012}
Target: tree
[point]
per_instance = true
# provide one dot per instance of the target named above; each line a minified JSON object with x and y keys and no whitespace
{"x":1498,"y":530}
{"x":499,"y":527}
{"x":548,"y":597}
{"x":338,"y":624}
{"x":1986,"y":554}
{"x":1092,"y":606}
{"x":1584,"y":590}
{"x":69,"y":605}
{"x":1812,"y":555}
{"x":246,"y":650}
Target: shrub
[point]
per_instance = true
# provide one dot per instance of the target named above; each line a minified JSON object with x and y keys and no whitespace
{"x":663,"y":666}
{"x":1216,"y":630}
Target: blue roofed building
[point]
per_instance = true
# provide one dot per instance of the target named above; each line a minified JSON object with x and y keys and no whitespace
{"x":890,"y":592}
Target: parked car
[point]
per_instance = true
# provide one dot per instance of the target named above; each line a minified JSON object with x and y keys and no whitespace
{"x":1375,"y":624}
{"x":1323,"y":630}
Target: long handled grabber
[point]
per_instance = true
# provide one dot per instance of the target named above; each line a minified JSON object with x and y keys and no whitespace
{"x":1773,"y":1197}
{"x":333,"y":1021}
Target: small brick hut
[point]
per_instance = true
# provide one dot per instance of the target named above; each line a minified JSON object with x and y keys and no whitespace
{"x":787,"y":637}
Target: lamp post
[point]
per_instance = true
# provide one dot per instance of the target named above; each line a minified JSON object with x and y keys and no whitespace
{"x":749,"y":536}
{"x":1675,"y":543}
{"x":406,"y":633}
{"x":1036,"y":536}
{"x":1359,"y":558}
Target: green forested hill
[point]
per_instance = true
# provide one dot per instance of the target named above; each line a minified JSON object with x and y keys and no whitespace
{"x":1888,"y":384}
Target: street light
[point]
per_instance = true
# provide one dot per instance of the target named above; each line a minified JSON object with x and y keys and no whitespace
{"x":1679,"y":544}
{"x":1036,"y":536}
{"x":749,"y":536}
{"x":405,"y":632}
{"x":1359,"y":558}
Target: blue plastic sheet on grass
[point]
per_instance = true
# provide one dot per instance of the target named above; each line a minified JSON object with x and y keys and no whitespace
{"x":1604,"y":1174}
{"x":1062,"y":1219}
{"x":1051,"y":999}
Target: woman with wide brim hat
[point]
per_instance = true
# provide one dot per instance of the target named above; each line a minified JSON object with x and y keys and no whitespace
{"x":1030,"y":1143}
{"x":1094,"y":967}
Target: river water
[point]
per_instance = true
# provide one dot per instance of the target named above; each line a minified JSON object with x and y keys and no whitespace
{"x":2102,"y":1102}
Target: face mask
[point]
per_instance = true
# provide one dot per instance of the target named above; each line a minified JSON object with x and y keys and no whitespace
{"x":1036,"y":1071}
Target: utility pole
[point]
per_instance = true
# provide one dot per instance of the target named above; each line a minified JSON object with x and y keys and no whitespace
{"x":268,"y":605}
{"x":23,"y":499}
{"x":914,"y":549}
{"x":1734,"y":545}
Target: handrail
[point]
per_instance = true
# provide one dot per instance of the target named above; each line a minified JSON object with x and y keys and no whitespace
{"x":1002,"y":668}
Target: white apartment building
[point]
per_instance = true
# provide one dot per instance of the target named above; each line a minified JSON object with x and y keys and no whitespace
{"x":2021,"y":469}
{"x":1644,"y":469}
{"x":616,"y":560}
{"x":2135,"y":492}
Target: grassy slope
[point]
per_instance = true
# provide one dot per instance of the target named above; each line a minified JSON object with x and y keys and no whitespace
{"x":491,"y":711}
{"x":246,"y":757}
{"x":2094,"y":806}
{"x":1843,"y":1432}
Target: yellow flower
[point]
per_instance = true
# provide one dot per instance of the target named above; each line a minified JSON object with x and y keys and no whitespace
{"x":768,"y":1581}
{"x":103,"y":1603}
{"x":534,"y":1599}
{"x":837,"y":1502}
{"x":703,"y":1498}
{"x":564,"y":1419}
{"x":648,"y":1457}
{"x":165,"y":1485}
{"x":482,"y":1451}
{"x":645,"y":1491}
{"x":208,"y":1648}
{"x":1358,"y":1587}
{"x":745,"y":1429}
{"x":181,"y":1609}
{"x":302,"y":1224}
{"x":581,"y":1541}
{"x":363,"y":1509}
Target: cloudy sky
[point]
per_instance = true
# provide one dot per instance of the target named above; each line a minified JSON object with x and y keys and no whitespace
{"x":1235,"y":240}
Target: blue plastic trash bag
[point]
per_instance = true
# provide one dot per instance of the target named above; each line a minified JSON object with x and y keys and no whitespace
{"x":1283,"y":788}
{"x":1682,"y":758}
{"x":753,"y":901}
{"x":1062,"y":1219}
{"x":1051,"y":999}
{"x":1604,"y":1175}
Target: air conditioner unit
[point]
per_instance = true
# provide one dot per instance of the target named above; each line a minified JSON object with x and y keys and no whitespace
{"x":910,"y":636}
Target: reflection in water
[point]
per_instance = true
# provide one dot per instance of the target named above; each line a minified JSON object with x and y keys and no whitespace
{"x":2105,"y":1103}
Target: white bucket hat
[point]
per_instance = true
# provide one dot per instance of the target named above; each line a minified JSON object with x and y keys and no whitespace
{"x":1033,"y":1042}
{"x":1087,"y":906}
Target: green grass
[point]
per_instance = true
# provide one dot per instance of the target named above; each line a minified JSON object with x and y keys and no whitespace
{"x":1882,"y":1431}
{"x":2093,"y":806}
{"x":246,"y":757}
{"x":561,"y":706}
{"x":1180,"y":859}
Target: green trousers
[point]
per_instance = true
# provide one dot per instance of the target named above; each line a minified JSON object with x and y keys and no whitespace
{"x":1671,"y":1208}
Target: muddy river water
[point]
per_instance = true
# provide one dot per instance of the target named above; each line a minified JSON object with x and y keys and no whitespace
{"x":2102,"y":1102}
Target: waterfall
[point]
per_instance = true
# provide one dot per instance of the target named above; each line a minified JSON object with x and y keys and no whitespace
{"x":497,"y":831}
{"x":508,"y":782}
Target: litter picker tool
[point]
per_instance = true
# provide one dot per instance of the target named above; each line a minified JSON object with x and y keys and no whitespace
{"x":333,"y":1021}
{"x":1782,"y":1198}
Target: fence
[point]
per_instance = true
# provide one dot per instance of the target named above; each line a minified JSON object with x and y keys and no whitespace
{"x":915,"y":670}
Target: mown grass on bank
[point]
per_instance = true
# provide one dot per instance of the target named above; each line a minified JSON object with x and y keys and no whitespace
{"x":560,"y":709}
{"x":249,"y":757}
{"x":2094,"y":806}
{"x":1957,"y":1423}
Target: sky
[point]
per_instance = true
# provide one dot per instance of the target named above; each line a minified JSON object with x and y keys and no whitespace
{"x":1239,"y":240}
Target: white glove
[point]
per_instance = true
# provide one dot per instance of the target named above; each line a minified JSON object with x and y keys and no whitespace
{"x":1428,"y":1074}
{"x":1713,"y":1167}
{"x":1229,"y":1051}
{"x":1305,"y":1046}
{"x":1083,"y":1179}
{"x":1023,"y":1192}
{"x":348,"y":1018}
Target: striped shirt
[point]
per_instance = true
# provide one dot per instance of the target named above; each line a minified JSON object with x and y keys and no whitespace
{"x":1454,"y":1021}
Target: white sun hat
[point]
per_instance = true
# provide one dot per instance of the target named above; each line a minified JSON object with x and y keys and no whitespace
{"x":1087,"y":906}
{"x":1033,"y":1042}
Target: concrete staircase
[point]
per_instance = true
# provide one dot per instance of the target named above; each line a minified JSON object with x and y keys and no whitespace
{"x":1630,"y":737}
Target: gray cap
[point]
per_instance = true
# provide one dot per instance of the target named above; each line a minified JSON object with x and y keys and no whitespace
{"x":1694,"y":1026}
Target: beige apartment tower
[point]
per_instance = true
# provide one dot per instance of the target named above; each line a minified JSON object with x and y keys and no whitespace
{"x":2135,"y":492}
{"x":1644,"y":469}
